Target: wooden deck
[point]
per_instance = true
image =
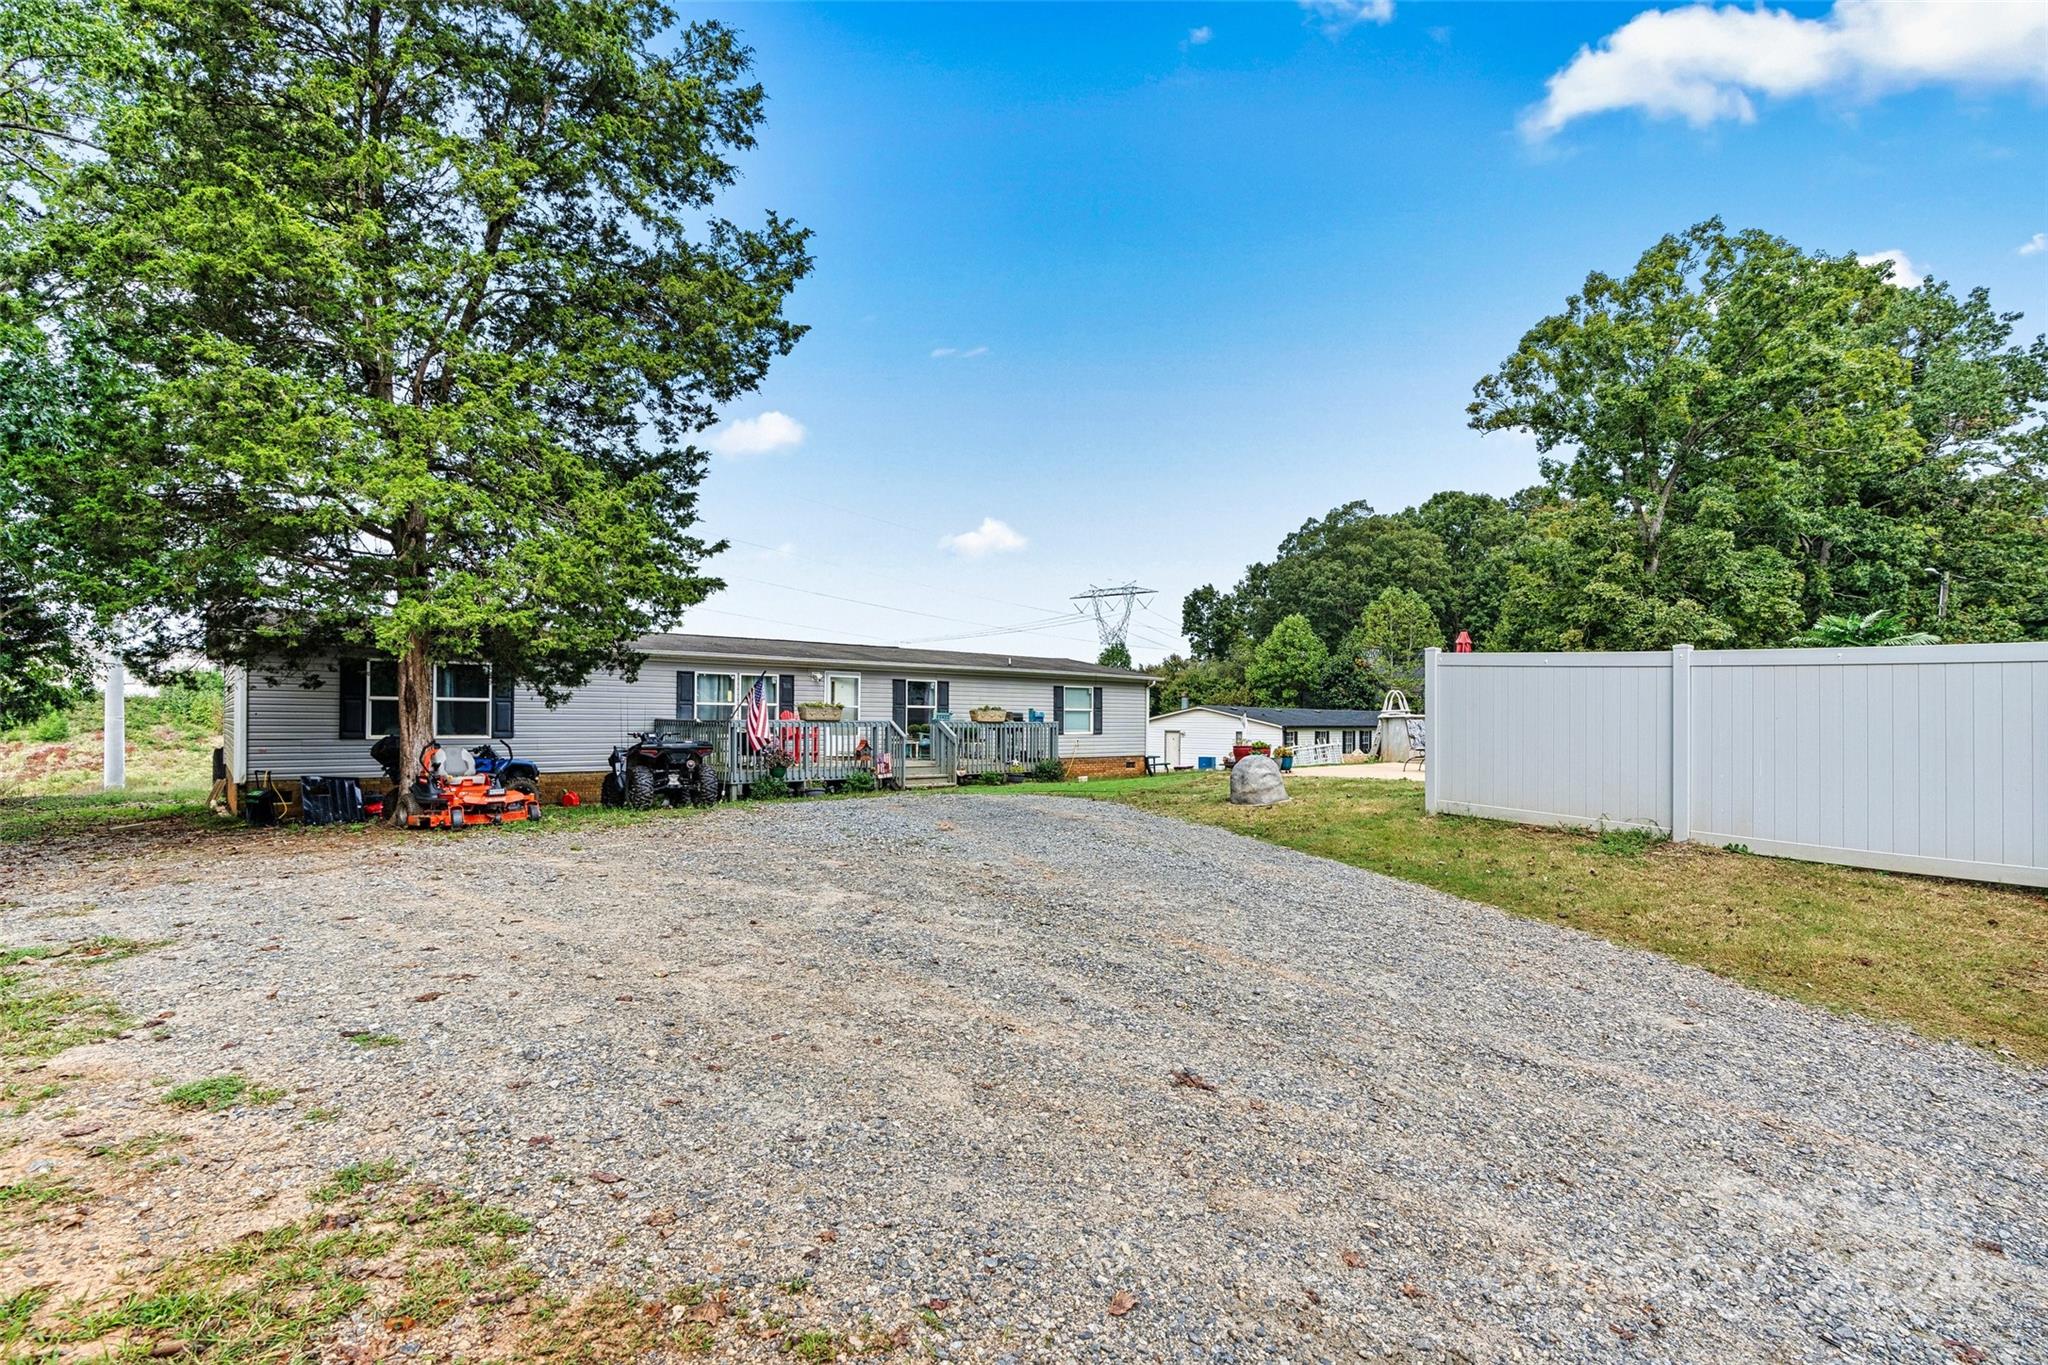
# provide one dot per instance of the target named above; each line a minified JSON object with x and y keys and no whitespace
{"x":823,"y":754}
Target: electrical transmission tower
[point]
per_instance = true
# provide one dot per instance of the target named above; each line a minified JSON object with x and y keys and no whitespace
{"x":1111,"y":608}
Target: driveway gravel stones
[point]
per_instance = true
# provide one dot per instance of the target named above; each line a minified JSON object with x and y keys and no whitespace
{"x":998,"y":1067}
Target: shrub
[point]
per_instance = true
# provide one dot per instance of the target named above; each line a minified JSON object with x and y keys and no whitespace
{"x":54,"y":726}
{"x":190,"y":702}
{"x":768,"y":787}
{"x":991,"y":780}
{"x":1049,"y":770}
{"x":859,"y":780}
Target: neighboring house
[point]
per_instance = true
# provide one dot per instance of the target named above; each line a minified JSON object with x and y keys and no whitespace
{"x":320,"y":719}
{"x":1183,"y":738}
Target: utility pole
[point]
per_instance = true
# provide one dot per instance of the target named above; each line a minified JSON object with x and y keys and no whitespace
{"x":1111,"y":608}
{"x":114,"y":758}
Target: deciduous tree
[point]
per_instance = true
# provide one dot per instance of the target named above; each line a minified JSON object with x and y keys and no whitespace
{"x":1288,"y":665}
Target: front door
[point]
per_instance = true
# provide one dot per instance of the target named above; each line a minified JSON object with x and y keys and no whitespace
{"x":1172,"y":749}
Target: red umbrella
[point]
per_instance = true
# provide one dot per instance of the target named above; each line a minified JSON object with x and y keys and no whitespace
{"x":1463,"y":644}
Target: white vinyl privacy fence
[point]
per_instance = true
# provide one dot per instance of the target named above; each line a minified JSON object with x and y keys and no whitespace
{"x":1928,"y":759}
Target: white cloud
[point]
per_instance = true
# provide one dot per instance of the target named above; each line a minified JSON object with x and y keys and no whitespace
{"x":763,"y":435}
{"x":1337,"y":17}
{"x":1703,"y":63}
{"x":955,"y":353}
{"x":2035,"y":244}
{"x":1199,"y":36}
{"x":1904,"y":273}
{"x":991,"y":537}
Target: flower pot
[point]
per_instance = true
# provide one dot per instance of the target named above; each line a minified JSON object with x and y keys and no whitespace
{"x":988,"y":715}
{"x":819,"y":710}
{"x":1287,"y":764}
{"x":1238,"y":751}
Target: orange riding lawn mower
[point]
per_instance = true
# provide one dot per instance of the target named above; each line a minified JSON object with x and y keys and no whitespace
{"x":455,"y":788}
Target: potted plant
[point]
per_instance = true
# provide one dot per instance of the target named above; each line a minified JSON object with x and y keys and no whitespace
{"x":988,"y":715}
{"x":1259,"y":746}
{"x":1238,"y":751}
{"x":820,"y":710}
{"x":1286,"y":757}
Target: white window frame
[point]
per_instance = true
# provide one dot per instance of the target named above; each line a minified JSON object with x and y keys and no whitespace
{"x":371,"y":697}
{"x":1087,"y":691}
{"x":932,"y":710}
{"x":487,"y":699}
{"x":1290,"y":738}
{"x":697,"y":702}
{"x":854,"y":678}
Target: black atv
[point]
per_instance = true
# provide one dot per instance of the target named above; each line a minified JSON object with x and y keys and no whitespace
{"x":662,"y":765}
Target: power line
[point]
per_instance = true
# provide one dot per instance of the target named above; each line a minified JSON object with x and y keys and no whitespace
{"x":1112,"y":610}
{"x":904,"y":577}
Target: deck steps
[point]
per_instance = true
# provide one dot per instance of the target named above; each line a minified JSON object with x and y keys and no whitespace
{"x":917,"y":774}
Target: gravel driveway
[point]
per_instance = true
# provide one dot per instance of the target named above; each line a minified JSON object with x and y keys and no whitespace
{"x":922,"y":1048}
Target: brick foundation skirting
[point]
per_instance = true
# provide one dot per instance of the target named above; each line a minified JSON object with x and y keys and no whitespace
{"x":1127,"y":765}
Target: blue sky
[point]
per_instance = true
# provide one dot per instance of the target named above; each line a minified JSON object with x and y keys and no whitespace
{"x":1150,"y":285}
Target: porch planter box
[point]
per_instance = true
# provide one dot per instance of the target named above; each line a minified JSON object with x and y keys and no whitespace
{"x":819,"y":710}
{"x":988,"y":715}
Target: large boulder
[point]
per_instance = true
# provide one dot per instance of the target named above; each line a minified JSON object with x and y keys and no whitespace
{"x":1255,"y":781}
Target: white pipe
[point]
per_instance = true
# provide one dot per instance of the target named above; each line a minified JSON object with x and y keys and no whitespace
{"x":114,"y":763}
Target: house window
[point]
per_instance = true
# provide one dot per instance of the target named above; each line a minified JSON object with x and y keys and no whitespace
{"x":1079,"y":716}
{"x":1322,"y":736}
{"x":715,"y":694}
{"x":1290,"y":738}
{"x":920,"y":703}
{"x":462,"y":699}
{"x":1351,"y":741}
{"x":844,"y":688}
{"x":383,"y":697}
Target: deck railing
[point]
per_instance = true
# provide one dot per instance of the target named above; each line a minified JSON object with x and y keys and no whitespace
{"x":814,"y":752}
{"x":945,"y":745}
{"x":1012,"y":747}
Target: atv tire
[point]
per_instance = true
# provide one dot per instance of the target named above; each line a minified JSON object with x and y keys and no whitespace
{"x":705,"y":788}
{"x":640,"y":789}
{"x":609,"y":792}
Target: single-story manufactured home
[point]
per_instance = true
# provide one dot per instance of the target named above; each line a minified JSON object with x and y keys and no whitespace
{"x":1183,"y":738}
{"x":910,"y":704}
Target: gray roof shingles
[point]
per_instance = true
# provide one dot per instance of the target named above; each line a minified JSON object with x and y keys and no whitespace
{"x":876,"y":656}
{"x":1302,"y":717}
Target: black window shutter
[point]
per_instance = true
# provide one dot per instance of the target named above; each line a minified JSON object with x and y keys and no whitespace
{"x":899,"y":701}
{"x":785,"y":693}
{"x":1059,"y":710}
{"x":354,"y":697}
{"x":686,"y":699}
{"x":1098,"y":710}
{"x":945,"y":696}
{"x":501,"y":709}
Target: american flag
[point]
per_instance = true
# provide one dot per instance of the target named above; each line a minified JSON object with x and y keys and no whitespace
{"x":757,"y":715}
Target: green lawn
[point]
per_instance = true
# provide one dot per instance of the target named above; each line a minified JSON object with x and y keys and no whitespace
{"x":1951,"y":959}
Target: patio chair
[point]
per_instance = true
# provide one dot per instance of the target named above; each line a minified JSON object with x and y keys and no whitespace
{"x":1418,"y":744}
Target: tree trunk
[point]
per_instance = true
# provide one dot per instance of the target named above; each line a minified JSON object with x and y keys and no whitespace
{"x":415,"y":718}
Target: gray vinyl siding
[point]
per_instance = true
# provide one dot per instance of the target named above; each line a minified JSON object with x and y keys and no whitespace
{"x":292,"y":728}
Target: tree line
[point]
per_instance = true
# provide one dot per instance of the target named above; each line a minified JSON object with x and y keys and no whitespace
{"x":1743,"y":444}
